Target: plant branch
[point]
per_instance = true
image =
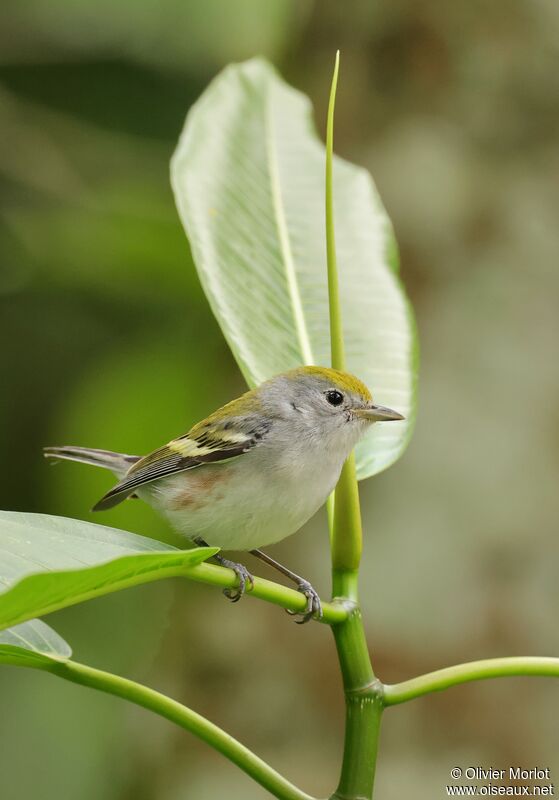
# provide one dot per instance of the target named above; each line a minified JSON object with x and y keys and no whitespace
{"x":471,"y":671}
{"x":221,"y":741}
{"x":332,"y":613}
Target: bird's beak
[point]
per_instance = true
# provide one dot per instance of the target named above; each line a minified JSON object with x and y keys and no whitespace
{"x":378,"y":414}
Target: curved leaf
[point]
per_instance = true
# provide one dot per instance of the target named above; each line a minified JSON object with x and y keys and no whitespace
{"x":47,"y":563}
{"x":31,"y":644}
{"x":248,"y":177}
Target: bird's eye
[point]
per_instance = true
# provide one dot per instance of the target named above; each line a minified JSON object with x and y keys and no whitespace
{"x":334,"y":397}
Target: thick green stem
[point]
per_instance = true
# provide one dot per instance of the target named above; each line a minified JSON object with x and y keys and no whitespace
{"x":363,"y":697}
{"x":471,"y":671}
{"x":240,"y":755}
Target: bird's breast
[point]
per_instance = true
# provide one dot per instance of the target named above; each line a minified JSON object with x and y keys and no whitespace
{"x":251,"y":501}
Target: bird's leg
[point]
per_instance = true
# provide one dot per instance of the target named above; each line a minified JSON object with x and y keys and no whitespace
{"x":243,"y":575}
{"x":313,"y":609}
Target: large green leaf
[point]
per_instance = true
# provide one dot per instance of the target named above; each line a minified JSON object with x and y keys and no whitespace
{"x":47,"y":563}
{"x":248,"y":176}
{"x":32,"y":644}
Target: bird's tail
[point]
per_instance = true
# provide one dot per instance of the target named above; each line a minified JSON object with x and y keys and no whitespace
{"x":119,"y":463}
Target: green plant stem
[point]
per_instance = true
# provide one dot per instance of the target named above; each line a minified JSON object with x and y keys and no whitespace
{"x":332,"y":613}
{"x":336,"y":330}
{"x":364,"y":706}
{"x":363,"y":697}
{"x":346,"y":516}
{"x":362,"y":691}
{"x":225,"y":744}
{"x":471,"y":671}
{"x":347,"y":536}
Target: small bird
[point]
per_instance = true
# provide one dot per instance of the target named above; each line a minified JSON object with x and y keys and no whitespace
{"x":254,"y":471}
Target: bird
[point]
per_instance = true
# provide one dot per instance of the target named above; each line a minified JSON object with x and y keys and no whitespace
{"x":254,"y":471}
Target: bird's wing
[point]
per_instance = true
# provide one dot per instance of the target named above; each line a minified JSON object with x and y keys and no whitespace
{"x":215,"y":439}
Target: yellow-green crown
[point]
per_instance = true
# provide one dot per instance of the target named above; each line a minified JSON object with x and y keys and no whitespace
{"x":340,"y":380}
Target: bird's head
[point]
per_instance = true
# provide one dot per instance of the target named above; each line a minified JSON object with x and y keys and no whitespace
{"x":325,"y":400}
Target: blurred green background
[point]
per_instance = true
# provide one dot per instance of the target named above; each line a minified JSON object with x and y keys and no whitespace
{"x":107,"y":341}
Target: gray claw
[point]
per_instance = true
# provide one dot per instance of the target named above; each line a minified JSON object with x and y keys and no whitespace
{"x":243,"y":576}
{"x":313,"y":607}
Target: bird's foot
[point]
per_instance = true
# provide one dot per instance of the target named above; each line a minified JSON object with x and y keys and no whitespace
{"x":246,"y":581}
{"x":313,"y":608}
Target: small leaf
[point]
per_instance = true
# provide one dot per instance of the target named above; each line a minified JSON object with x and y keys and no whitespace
{"x":248,"y":177}
{"x":31,"y":643}
{"x":47,"y":563}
